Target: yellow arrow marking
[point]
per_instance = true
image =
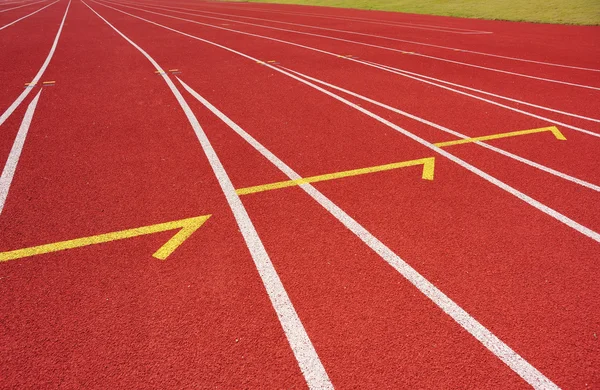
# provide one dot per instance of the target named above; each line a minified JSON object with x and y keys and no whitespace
{"x":187,"y":226}
{"x":428,"y":168}
{"x":553,"y":129}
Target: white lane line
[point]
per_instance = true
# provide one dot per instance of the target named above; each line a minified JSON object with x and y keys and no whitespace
{"x":380,"y":37}
{"x":451,"y":30}
{"x":519,"y":365}
{"x":364,"y":62}
{"x":494,"y":95}
{"x":39,"y":74}
{"x":26,"y":16}
{"x":314,"y":373}
{"x":21,"y":6}
{"x":455,"y":30}
{"x":455,"y":133}
{"x":425,"y":79}
{"x":527,"y":199}
{"x":513,"y":191}
{"x":5,"y":3}
{"x":368,"y":45}
{"x":14,"y":2}
{"x":383,"y":67}
{"x":15,"y":152}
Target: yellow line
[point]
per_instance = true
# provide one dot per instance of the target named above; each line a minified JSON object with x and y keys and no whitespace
{"x":49,"y":82}
{"x":173,"y":70}
{"x":552,"y":129}
{"x":187,"y":226}
{"x":428,"y":168}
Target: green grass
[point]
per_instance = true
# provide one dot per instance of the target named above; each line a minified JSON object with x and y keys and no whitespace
{"x":583,"y":12}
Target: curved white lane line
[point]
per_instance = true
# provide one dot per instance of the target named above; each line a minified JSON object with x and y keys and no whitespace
{"x":512,"y":359}
{"x":26,"y":16}
{"x":493,"y":94}
{"x":21,"y":6}
{"x":456,"y":30}
{"x":455,"y":133}
{"x":374,"y":46}
{"x":379,"y":36}
{"x":496,"y":346}
{"x":527,"y":199}
{"x":15,"y":152}
{"x":425,"y":79}
{"x":383,"y":67}
{"x":308,"y":360}
{"x":39,"y":74}
{"x":416,"y":26}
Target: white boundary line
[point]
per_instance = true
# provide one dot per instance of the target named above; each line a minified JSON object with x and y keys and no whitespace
{"x":527,"y":199}
{"x":492,"y":94}
{"x":378,"y":36}
{"x":445,"y":29}
{"x":423,"y":79}
{"x":405,"y":74}
{"x":457,"y":134}
{"x":26,"y":16}
{"x":39,"y":74}
{"x":416,"y":26}
{"x":368,"y":45}
{"x":15,"y":152}
{"x":21,"y":6}
{"x":369,"y":63}
{"x":15,"y":2}
{"x":502,"y":351}
{"x":314,"y":373}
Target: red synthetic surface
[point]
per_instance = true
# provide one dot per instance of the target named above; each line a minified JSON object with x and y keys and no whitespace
{"x":109,"y":148}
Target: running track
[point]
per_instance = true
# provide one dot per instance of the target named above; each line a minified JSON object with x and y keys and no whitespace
{"x":472,"y":265}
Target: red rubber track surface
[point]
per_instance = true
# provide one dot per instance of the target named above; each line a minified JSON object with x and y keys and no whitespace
{"x":109,"y":148}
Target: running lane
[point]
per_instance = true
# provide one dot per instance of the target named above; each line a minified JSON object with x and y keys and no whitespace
{"x":555,"y":94}
{"x":448,"y":109}
{"x":394,"y":36}
{"x":562,"y":44}
{"x":521,"y":293}
{"x":19,"y":66}
{"x":15,"y":11}
{"x":37,"y":33}
{"x":110,"y":149}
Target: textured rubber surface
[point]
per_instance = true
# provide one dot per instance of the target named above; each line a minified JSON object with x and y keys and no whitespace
{"x":109,"y":148}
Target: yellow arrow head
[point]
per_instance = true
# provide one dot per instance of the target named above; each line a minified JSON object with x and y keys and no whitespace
{"x":557,"y":133}
{"x":428,"y":168}
{"x":188,"y":226}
